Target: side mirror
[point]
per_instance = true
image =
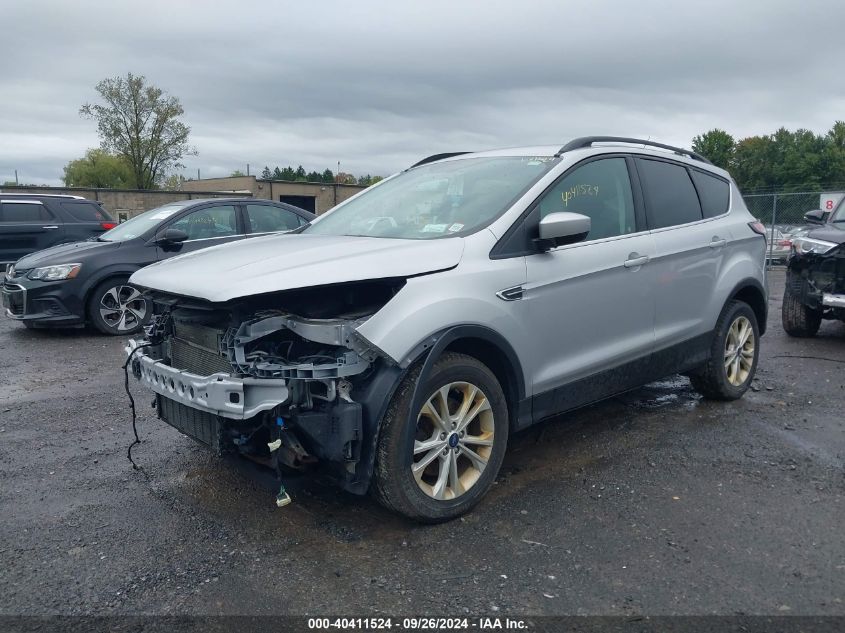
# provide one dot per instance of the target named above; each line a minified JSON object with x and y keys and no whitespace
{"x":557,"y":229}
{"x":172,"y":236}
{"x":816,"y":216}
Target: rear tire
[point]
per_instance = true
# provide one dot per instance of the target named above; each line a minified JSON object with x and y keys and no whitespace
{"x":437,"y":464}
{"x":118,"y":309}
{"x":798,"y":320}
{"x":734,"y":353}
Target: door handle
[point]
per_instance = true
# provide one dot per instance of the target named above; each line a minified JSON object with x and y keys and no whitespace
{"x":635,"y":260}
{"x":717,"y":243}
{"x":49,"y":227}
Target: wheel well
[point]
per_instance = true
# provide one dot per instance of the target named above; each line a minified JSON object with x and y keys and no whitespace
{"x":498,"y":362}
{"x":97,"y":284}
{"x":755,"y":298}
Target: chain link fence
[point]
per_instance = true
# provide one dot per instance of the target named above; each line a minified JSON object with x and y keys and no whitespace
{"x":783,"y":215}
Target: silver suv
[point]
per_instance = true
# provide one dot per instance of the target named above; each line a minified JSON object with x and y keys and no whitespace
{"x":396,"y":341}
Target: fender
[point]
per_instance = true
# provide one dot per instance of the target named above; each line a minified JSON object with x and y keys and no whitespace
{"x":382,"y":386}
{"x":115,"y":270}
{"x":751,"y":282}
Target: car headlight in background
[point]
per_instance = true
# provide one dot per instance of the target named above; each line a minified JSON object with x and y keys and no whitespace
{"x":803,"y":245}
{"x":55,"y":273}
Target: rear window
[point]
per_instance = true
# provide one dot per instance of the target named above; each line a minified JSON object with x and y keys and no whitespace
{"x":670,"y":194}
{"x":86,"y":211}
{"x":23,"y":212}
{"x":713,"y":192}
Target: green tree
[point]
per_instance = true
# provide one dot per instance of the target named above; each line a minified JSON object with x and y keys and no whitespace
{"x":717,"y":146}
{"x":237,"y":173}
{"x":327,"y":176}
{"x":143,"y":124}
{"x":300,"y":174}
{"x":314,"y":176}
{"x":288,"y":173}
{"x":98,"y":168}
{"x":266,"y":174}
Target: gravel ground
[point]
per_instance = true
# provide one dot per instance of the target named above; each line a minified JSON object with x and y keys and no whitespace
{"x":655,"y":502}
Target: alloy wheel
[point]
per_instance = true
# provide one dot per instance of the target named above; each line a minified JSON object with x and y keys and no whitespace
{"x":739,"y":351}
{"x":453,"y":441}
{"x":123,"y":308}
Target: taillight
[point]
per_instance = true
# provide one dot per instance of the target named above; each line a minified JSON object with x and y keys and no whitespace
{"x":758,"y":228}
{"x":108,"y":226}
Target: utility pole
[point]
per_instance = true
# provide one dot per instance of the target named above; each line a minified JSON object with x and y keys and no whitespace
{"x":247,"y":169}
{"x":198,"y":173}
{"x":16,"y":178}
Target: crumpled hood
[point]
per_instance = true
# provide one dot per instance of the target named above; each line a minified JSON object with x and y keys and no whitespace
{"x":76,"y":252}
{"x":283,"y":262}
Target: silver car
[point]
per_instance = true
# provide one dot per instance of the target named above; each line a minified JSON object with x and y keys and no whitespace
{"x":396,"y":341}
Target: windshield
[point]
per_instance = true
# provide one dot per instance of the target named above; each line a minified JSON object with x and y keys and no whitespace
{"x":140,"y":224}
{"x":436,"y":200}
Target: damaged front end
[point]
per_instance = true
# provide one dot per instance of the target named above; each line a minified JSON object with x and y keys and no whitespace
{"x":284,"y":379}
{"x":818,"y":280}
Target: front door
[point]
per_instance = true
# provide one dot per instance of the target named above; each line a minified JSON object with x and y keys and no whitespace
{"x":205,"y":227}
{"x":590,"y":305}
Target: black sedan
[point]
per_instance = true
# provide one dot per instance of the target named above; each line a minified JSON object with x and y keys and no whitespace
{"x":86,"y":282}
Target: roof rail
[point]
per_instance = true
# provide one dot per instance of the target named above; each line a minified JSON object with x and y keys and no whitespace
{"x":587,"y":141}
{"x":42,"y":195}
{"x":436,"y":157}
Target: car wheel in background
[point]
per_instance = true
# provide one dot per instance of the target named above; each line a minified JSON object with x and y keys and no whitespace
{"x":117,"y":308}
{"x":798,"y":320}
{"x":438,"y":463}
{"x":734,"y":353}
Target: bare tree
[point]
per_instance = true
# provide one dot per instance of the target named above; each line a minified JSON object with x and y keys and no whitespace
{"x":141,"y":123}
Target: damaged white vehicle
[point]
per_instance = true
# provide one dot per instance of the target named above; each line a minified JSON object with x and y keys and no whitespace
{"x":396,"y":341}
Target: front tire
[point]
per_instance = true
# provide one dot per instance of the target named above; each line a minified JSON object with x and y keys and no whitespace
{"x":734,"y":353}
{"x":118,"y":309}
{"x":438,"y":463}
{"x":798,"y":320}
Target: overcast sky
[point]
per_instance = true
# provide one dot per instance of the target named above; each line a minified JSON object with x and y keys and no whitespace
{"x":378,"y":85}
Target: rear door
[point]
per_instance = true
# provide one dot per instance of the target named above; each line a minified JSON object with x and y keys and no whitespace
{"x":590,"y":305}
{"x":26,"y":226}
{"x":209,"y":225}
{"x":84,"y":219}
{"x":268,"y":218}
{"x":690,"y":251}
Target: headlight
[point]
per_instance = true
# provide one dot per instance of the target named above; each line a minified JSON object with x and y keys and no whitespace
{"x":805,"y":245}
{"x":10,"y":271}
{"x":55,"y":273}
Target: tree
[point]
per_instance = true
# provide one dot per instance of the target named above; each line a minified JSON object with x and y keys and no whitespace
{"x":99,"y":169}
{"x":141,"y":123}
{"x":266,"y":174}
{"x":717,"y":146}
{"x":237,"y":173}
{"x":173,"y":182}
{"x":300,"y":174}
{"x":314,"y":176}
{"x":328,"y":176}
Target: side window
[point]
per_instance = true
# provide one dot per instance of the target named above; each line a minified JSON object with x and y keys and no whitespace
{"x":670,"y":196}
{"x":264,"y":218}
{"x":86,"y":211}
{"x":713,"y":192}
{"x":24,"y":212}
{"x":208,"y":222}
{"x":601,"y":190}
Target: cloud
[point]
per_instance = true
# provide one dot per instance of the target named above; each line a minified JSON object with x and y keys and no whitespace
{"x":377,"y":85}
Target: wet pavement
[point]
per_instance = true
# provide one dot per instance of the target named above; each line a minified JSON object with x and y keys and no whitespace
{"x":655,"y":502}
